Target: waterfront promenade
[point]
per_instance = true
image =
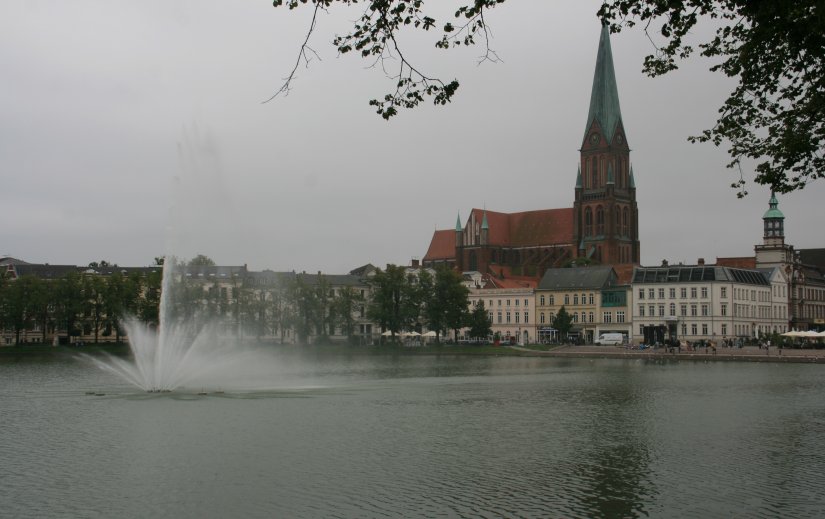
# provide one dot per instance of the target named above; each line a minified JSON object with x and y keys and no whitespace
{"x":746,"y":353}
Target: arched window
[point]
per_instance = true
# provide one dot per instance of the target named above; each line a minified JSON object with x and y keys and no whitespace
{"x":588,"y":221}
{"x":615,"y":224}
{"x":594,"y":173}
{"x":599,"y":220}
{"x":473,"y":260}
{"x":625,"y":228}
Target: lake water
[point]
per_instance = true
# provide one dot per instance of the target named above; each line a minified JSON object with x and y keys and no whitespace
{"x":419,"y":436}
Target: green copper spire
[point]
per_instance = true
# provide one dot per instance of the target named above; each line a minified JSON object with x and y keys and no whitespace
{"x":458,"y":222}
{"x":579,"y":176}
{"x":632,"y":180}
{"x":774,"y":211}
{"x":604,"y":98}
{"x":484,"y":225}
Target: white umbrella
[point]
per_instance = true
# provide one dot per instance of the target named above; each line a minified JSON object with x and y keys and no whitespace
{"x":809,"y":334}
{"x":792,"y":333}
{"x":413,"y":334}
{"x":821,"y":334}
{"x":387,"y":333}
{"x":430,"y":333}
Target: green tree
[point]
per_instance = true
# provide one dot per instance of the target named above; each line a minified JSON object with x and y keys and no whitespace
{"x":69,"y":302}
{"x":344,"y":306}
{"x":390,"y":305}
{"x":479,"y":322}
{"x":775,"y":49}
{"x":563,"y":322}
{"x":200,"y":261}
{"x":302,"y":299}
{"x":447,"y":309}
{"x":94,"y":302}
{"x":148,"y":306}
{"x":20,"y":302}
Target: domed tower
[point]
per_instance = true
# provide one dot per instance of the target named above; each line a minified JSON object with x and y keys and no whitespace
{"x":606,"y":220}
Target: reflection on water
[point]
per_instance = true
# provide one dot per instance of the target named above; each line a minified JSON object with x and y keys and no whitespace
{"x":371,"y":436}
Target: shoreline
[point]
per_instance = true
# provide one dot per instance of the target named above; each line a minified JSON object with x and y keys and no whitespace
{"x":745,"y":354}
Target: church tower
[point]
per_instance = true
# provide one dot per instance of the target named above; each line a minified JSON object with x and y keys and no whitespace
{"x":774,"y":252}
{"x":605,"y":214}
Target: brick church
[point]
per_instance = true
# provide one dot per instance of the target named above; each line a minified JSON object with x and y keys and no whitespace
{"x":601,"y":227}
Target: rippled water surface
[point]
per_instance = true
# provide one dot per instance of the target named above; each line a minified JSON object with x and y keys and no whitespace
{"x":410,"y":436}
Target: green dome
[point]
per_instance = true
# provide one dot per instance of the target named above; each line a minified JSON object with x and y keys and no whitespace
{"x":774,"y":211}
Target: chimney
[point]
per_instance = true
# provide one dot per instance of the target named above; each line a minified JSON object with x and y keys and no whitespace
{"x":701,"y":262}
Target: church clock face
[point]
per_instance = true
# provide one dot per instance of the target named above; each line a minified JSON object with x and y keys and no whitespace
{"x":594,"y":138}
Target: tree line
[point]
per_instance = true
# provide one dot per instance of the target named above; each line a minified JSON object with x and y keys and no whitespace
{"x":395,"y":299}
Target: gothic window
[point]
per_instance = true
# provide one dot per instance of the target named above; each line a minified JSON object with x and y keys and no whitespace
{"x":588,"y":222}
{"x":599,"y":220}
{"x":594,"y":173}
{"x":616,"y":220}
{"x":473,"y":260}
{"x":625,"y":229}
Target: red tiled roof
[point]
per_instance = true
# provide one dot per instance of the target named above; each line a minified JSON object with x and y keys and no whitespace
{"x":624,"y":273}
{"x":742,"y":262}
{"x":528,"y":228}
{"x":442,"y":246}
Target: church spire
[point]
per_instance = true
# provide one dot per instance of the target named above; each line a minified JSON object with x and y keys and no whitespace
{"x":604,"y":97}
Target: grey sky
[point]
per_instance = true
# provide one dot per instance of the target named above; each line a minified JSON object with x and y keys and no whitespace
{"x":111,"y":113}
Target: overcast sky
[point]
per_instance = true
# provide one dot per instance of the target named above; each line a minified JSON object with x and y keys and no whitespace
{"x":132,"y":129}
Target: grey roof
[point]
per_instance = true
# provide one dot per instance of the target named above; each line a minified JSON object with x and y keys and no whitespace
{"x":8,"y":260}
{"x":696,"y":274}
{"x":578,"y":277}
{"x":813,"y":257}
{"x":604,"y":97}
{"x":332,"y":279}
{"x":46,"y":271}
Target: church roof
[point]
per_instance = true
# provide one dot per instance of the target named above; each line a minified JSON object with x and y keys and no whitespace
{"x":442,"y":246}
{"x":529,"y":228}
{"x":604,"y":97}
{"x":774,"y":211}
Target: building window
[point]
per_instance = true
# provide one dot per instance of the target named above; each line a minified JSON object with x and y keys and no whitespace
{"x":704,"y":309}
{"x":526,"y":318}
{"x":588,"y":222}
{"x":673,"y":309}
{"x":541,"y":300}
{"x":507,"y":316}
{"x":552,"y":300}
{"x":641,"y":329}
{"x":673,"y":293}
{"x":591,"y":298}
{"x":724,"y":292}
{"x":651,"y":294}
{"x":683,"y":310}
{"x":651,"y":310}
{"x":641,"y":293}
{"x":683,"y":293}
{"x":704,"y":329}
{"x":607,"y":317}
{"x":704,"y":292}
{"x":661,"y":293}
{"x":693,"y":310}
{"x":724,"y":329}
{"x":575,"y":299}
{"x":590,"y":317}
{"x":599,"y":221}
{"x":518,"y":320}
{"x":684,"y":329}
{"x":499,"y":318}
{"x":508,"y":302}
{"x":641,"y":310}
{"x":575,"y":317}
{"x":620,"y":316}
{"x":526,"y":302}
{"x":693,"y":294}
{"x":567,"y":299}
{"x":693,"y":329}
{"x":541,"y":318}
{"x":516,"y":302}
{"x":661,"y":310}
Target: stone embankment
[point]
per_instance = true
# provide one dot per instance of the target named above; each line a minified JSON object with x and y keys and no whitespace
{"x":744,"y":354}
